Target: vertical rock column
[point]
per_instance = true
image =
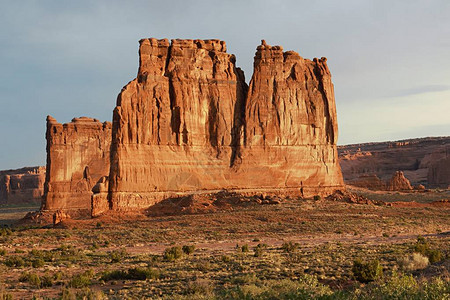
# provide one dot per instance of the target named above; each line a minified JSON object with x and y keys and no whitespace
{"x":77,"y":157}
{"x":291,"y":123}
{"x":176,"y":125}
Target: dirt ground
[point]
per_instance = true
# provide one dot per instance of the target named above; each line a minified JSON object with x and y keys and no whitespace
{"x":328,"y":236}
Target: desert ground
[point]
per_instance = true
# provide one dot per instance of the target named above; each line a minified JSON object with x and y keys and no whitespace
{"x":236,"y":249}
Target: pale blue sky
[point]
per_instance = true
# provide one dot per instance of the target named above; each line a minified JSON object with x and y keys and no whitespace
{"x":390,"y":60}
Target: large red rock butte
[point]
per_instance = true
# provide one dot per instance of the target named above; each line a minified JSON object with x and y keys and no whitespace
{"x":188,"y":123}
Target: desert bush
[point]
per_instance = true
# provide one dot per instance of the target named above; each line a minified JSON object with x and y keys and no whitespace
{"x":307,"y":287}
{"x":434,"y":255}
{"x":84,"y":293}
{"x":188,"y":249}
{"x":423,"y":247}
{"x":81,"y":280}
{"x":118,"y":255}
{"x":244,"y":248}
{"x":4,"y":295}
{"x":289,"y":246}
{"x":46,"y":281}
{"x":44,"y":255}
{"x":244,"y":279}
{"x":131,"y":274}
{"x":15,"y":261}
{"x":259,"y":250}
{"x":173,"y":253}
{"x":317,"y":197}
{"x":37,"y":263}
{"x":36,"y":280}
{"x":226,"y":258}
{"x":415,"y":261}
{"x":2,"y":252}
{"x":5,"y":231}
{"x":397,"y":287}
{"x":367,"y":272}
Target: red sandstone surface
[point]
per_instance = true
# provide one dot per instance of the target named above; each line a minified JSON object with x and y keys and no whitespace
{"x":187,"y":124}
{"x":77,"y":158}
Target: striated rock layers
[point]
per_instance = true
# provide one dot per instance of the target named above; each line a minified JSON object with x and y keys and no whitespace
{"x":188,"y":123}
{"x":77,"y":158}
{"x":25,"y":185}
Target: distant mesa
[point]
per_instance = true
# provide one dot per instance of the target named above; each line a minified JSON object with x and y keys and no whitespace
{"x":425,"y":162}
{"x":22,"y":186}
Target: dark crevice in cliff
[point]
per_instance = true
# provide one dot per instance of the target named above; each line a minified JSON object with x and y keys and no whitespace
{"x":239,"y":120}
{"x":328,"y":123}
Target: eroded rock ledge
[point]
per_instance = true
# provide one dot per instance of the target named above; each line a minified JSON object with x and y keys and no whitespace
{"x":188,"y":123}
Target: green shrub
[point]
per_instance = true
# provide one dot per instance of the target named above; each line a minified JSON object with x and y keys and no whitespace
{"x":173,"y":253}
{"x":367,"y":272}
{"x":131,"y":274}
{"x":15,"y":261}
{"x":118,"y":255}
{"x":5,"y":231}
{"x":188,"y":249}
{"x":434,"y":255}
{"x":38,"y":263}
{"x":289,"y":247}
{"x":81,"y":280}
{"x":423,"y":247}
{"x":46,"y":281}
{"x":259,"y":250}
{"x":317,"y":197}
{"x":32,"y":278}
{"x":244,"y":248}
{"x":2,"y":252}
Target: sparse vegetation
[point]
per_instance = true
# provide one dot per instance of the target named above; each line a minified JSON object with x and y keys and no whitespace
{"x":131,"y":274}
{"x":226,"y":255}
{"x":173,"y":253}
{"x":423,"y":247}
{"x":188,"y":249}
{"x":367,"y":271}
{"x":415,"y":261}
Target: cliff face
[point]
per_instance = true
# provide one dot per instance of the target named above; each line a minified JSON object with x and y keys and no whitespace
{"x":25,"y":185}
{"x":77,"y":157}
{"x":291,"y":123}
{"x":439,"y":170}
{"x":422,"y":161}
{"x":187,"y":124}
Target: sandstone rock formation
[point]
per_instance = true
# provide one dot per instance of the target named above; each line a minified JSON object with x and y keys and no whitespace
{"x":419,"y":159}
{"x":77,"y":157}
{"x":20,"y":186}
{"x":439,"y":170}
{"x":399,"y":182}
{"x":187,"y":124}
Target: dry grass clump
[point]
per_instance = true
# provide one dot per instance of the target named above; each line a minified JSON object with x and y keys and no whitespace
{"x":412,"y":262}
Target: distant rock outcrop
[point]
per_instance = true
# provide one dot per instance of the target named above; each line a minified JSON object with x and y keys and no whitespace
{"x":399,"y":182}
{"x":423,"y":161}
{"x":77,"y":157}
{"x":25,"y":185}
{"x":186,"y":124}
